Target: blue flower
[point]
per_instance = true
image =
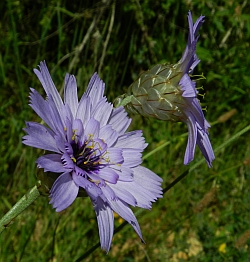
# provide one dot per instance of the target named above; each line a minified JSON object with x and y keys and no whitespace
{"x":89,"y":149}
{"x":191,"y":109}
{"x":166,"y":92}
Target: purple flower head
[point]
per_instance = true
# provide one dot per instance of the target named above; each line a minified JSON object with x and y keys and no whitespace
{"x":90,"y":150}
{"x":193,"y":115}
{"x":166,"y":92}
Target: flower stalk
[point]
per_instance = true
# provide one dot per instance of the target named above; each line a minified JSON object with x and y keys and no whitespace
{"x":19,"y":207}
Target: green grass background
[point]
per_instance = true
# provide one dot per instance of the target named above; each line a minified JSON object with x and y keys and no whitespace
{"x":206,"y":216}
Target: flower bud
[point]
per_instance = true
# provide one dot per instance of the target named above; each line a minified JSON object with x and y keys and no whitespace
{"x":166,"y":92}
{"x":156,"y":93}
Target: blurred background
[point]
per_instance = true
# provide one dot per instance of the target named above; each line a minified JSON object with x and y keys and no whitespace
{"x":205,"y":217}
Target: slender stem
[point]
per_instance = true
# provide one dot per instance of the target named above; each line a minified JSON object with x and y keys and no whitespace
{"x":107,"y":38}
{"x":161,"y":146}
{"x":244,"y":130}
{"x":19,"y":207}
{"x":179,"y":178}
{"x":225,"y":144}
{"x":92,"y":249}
{"x":125,"y":101}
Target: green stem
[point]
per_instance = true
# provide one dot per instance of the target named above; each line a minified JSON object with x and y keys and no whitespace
{"x":162,"y":146}
{"x":19,"y":207}
{"x":225,"y":144}
{"x":121,"y":101}
{"x":244,"y":130}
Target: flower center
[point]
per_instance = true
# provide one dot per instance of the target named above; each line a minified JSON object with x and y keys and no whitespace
{"x":91,"y":155}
